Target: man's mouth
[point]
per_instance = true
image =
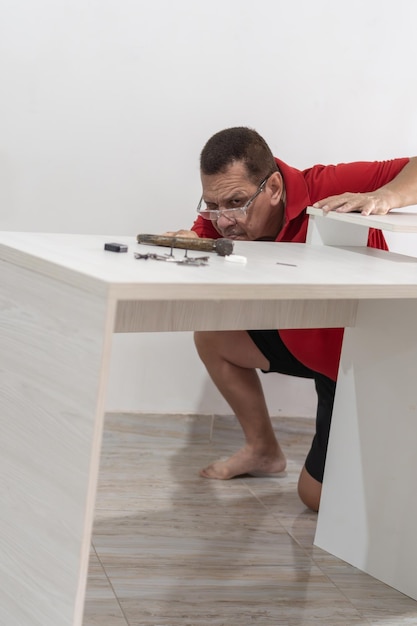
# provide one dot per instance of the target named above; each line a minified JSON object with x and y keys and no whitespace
{"x":232,"y":233}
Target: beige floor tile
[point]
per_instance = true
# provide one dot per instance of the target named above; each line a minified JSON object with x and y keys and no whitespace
{"x":205,"y":595}
{"x":373,"y":599}
{"x":171,"y":548}
{"x":233,"y":529}
{"x":101,"y":607}
{"x":138,"y":431}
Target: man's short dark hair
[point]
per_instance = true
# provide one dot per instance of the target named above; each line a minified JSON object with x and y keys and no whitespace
{"x":238,"y":144}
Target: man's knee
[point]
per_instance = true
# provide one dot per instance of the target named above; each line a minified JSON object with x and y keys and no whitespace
{"x":204,"y":340}
{"x":309,"y":490}
{"x":215,"y":340}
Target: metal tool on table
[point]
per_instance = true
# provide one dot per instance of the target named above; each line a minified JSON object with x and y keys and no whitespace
{"x":169,"y":258}
{"x":222,"y":246}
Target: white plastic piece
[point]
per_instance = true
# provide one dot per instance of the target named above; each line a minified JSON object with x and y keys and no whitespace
{"x":235,"y":258}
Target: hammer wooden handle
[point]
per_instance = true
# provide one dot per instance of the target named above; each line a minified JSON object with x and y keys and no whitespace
{"x":222,"y":246}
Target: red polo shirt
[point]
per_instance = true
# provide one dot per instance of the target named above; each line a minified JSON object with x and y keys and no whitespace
{"x":319,"y":349}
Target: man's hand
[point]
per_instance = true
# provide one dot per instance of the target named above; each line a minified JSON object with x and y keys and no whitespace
{"x":365,"y":203}
{"x":181,"y":233}
{"x":400,"y":192}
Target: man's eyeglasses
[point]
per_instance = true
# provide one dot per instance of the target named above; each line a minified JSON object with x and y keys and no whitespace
{"x":232,"y":213}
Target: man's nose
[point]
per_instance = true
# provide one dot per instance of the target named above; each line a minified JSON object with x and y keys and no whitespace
{"x":224,"y":220}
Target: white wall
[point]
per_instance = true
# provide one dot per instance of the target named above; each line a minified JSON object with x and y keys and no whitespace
{"x":105,"y":105}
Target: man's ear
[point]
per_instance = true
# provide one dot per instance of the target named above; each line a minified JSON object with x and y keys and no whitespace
{"x":276,"y":186}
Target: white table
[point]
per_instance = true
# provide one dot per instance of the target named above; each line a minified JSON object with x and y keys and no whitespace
{"x":368,"y":509}
{"x":61,"y":299}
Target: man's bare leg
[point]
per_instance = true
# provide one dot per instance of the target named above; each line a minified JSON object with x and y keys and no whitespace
{"x":231,"y":359}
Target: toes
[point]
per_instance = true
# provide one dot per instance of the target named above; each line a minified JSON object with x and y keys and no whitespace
{"x":212,"y":472}
{"x":207,"y":472}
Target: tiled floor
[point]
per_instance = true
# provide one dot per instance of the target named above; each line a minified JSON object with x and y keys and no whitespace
{"x":170,"y":548}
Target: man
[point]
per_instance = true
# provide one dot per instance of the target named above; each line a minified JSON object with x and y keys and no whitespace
{"x":250,"y":195}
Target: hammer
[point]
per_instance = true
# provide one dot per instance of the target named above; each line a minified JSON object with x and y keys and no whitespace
{"x":222,"y":246}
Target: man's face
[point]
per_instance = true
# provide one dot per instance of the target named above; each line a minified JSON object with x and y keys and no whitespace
{"x":233,"y":188}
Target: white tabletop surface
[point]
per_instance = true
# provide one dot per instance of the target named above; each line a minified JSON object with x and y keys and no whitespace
{"x":395,"y":221}
{"x":313,"y":272}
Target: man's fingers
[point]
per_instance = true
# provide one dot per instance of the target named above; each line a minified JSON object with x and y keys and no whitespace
{"x":366,"y":204}
{"x":181,"y":233}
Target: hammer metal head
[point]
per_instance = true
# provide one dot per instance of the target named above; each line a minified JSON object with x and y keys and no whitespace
{"x":224,"y":247}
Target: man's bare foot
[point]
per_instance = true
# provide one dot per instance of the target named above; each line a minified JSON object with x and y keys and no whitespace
{"x":245,"y":461}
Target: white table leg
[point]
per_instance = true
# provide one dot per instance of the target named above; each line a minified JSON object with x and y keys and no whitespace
{"x":368,"y":511}
{"x":53,"y":365}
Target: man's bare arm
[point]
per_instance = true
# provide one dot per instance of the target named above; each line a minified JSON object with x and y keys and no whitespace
{"x":399,"y":193}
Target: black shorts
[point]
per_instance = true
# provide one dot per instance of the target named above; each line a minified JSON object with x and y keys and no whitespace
{"x":282,"y":361}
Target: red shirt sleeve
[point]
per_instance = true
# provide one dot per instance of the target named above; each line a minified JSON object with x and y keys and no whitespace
{"x":360,"y":177}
